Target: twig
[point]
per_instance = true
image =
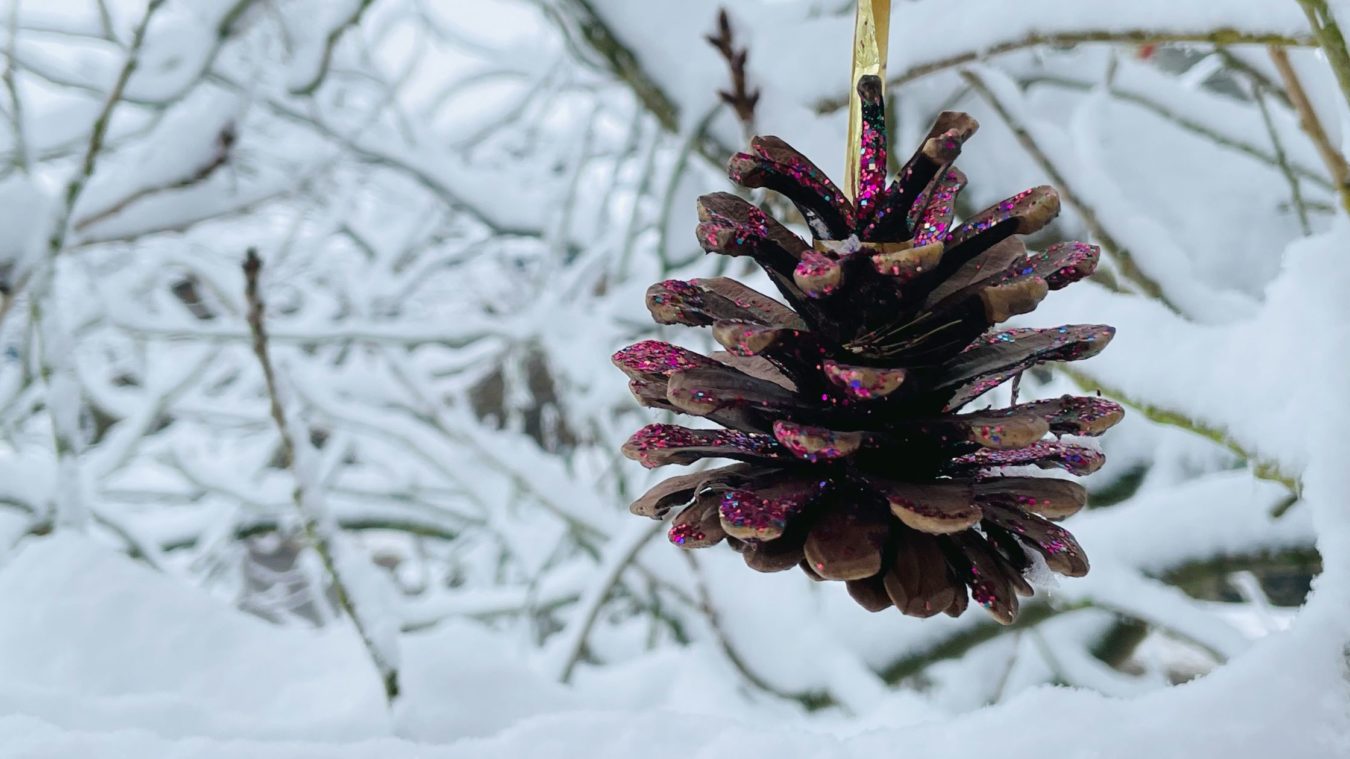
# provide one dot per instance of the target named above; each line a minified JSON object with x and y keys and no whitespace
{"x":618,"y":557}
{"x":677,"y":174}
{"x":309,"y":86}
{"x":105,"y":21}
{"x":1142,"y":100}
{"x":589,"y":536}
{"x":633,"y":227}
{"x":1308,"y":119}
{"x":54,"y":350}
{"x":592,"y":30}
{"x":1119,"y":254}
{"x":964,"y":640}
{"x":16,"y":103}
{"x":413,"y":164}
{"x":1048,"y":656}
{"x":705,"y":605}
{"x":1332,"y":42}
{"x":63,"y":400}
{"x":315,"y":530}
{"x":391,"y":334}
{"x":740,"y":97}
{"x":224,"y":144}
{"x":1295,"y":191}
{"x":1003,"y":679}
{"x":1235,"y":62}
{"x":75,"y":187}
{"x":1063,"y":39}
{"x":1262,"y":468}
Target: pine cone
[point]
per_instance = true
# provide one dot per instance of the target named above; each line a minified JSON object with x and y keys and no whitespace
{"x":843,"y":406}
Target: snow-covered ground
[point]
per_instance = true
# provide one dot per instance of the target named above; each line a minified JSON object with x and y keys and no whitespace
{"x":107,"y":658}
{"x":459,"y":207}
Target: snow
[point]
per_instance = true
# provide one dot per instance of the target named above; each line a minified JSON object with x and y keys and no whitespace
{"x":1253,"y":361}
{"x":139,"y":665}
{"x":316,"y":29}
{"x":460,"y":209}
{"x":134,"y":649}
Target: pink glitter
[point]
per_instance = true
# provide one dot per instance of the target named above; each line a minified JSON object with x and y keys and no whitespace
{"x":653,"y":357}
{"x":814,"y":444}
{"x":1050,"y":538}
{"x":711,"y":443}
{"x":871,"y":161}
{"x":991,"y":433}
{"x":1078,"y":415}
{"x":1075,"y":260}
{"x":676,"y":302}
{"x":863,"y":383}
{"x":1004,"y":211}
{"x":818,"y":275}
{"x":732,"y":238}
{"x":766,"y":517}
{"x":681,"y":533}
{"x":1074,"y":459}
{"x":1068,"y":343}
{"x":796,"y":170}
{"x":932,"y":224}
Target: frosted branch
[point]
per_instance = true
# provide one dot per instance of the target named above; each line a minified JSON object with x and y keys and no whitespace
{"x":1311,"y":124}
{"x":1122,"y":258}
{"x":315,"y":524}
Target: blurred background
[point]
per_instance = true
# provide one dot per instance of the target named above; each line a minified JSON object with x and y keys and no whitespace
{"x":458,"y":207}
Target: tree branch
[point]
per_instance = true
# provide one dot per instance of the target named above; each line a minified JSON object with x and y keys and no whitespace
{"x":1286,"y":169}
{"x":305,"y":500}
{"x":75,"y":187}
{"x":1312,"y":125}
{"x":1119,"y":254}
{"x":623,"y":64}
{"x":312,"y":84}
{"x":621,"y":553}
{"x":224,"y":143}
{"x":741,"y":97}
{"x":21,"y":158}
{"x":1330,"y":39}
{"x":1063,"y":39}
{"x":810,"y":699}
{"x":1142,"y":100}
{"x":1262,"y":468}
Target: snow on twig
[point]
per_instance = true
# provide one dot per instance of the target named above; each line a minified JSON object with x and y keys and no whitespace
{"x":317,"y":523}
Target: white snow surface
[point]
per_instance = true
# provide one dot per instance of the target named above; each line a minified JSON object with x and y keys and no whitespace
{"x":458,"y":224}
{"x":137,"y":665}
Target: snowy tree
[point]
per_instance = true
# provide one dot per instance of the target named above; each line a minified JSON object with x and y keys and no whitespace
{"x":367,"y":499}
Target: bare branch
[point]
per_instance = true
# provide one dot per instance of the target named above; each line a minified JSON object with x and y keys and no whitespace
{"x":740,"y":97}
{"x":705,"y":606}
{"x":75,"y":187}
{"x":618,"y":557}
{"x":224,"y":144}
{"x":1296,"y":192}
{"x":1120,"y":255}
{"x":315,"y":530}
{"x":1262,"y":468}
{"x":1064,"y":39}
{"x":1311,"y":124}
{"x":21,"y":158}
{"x":309,"y":86}
{"x":1330,"y":39}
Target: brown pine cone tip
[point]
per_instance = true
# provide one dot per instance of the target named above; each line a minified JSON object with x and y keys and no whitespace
{"x":842,"y":405}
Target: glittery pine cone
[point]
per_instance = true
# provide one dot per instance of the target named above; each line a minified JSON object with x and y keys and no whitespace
{"x":844,"y":406}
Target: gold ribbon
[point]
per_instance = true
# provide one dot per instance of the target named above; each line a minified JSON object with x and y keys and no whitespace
{"x":871,"y":41}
